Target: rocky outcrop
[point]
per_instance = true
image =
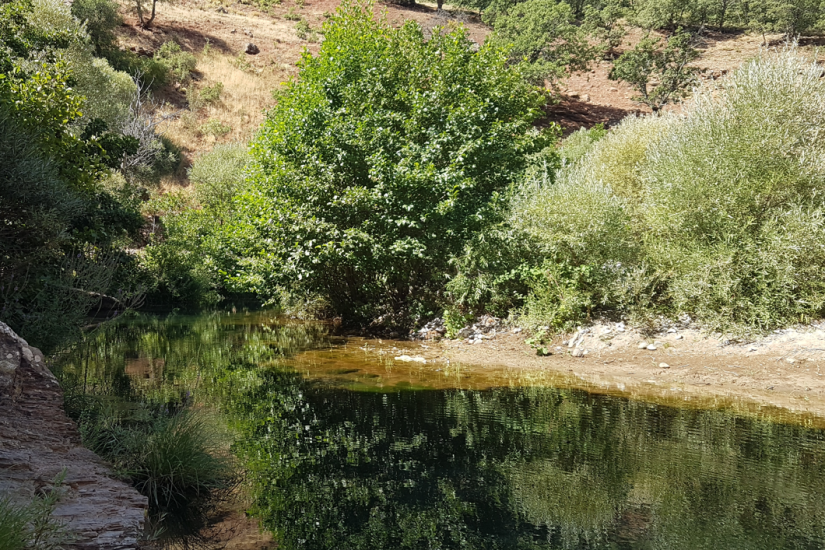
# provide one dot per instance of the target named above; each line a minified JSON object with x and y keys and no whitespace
{"x":38,"y":441}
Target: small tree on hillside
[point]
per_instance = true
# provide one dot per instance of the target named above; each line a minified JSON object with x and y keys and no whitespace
{"x":142,"y":7}
{"x":604,"y":22}
{"x":659,"y":74}
{"x":543,"y":36}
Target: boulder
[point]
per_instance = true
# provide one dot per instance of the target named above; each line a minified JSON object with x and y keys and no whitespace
{"x":38,"y":442}
{"x":251,"y":49}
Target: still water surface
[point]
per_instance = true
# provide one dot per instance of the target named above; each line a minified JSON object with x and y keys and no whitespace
{"x":345,"y":450}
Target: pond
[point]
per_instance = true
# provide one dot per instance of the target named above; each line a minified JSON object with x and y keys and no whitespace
{"x":344,"y":449}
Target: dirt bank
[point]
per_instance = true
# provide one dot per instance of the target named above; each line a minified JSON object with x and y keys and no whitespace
{"x":785,"y":370}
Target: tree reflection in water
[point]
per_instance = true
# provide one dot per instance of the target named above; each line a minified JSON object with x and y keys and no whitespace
{"x":523,"y":468}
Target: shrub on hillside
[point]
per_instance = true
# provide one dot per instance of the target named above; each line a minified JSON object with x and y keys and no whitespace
{"x":101,"y":18}
{"x":179,"y":63}
{"x":544,"y":37}
{"x":377,"y":165}
{"x":219,"y":175}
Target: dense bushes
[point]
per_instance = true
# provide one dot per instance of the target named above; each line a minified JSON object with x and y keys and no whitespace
{"x":786,"y":16}
{"x":377,"y":165}
{"x":63,"y":224}
{"x":717,"y":214}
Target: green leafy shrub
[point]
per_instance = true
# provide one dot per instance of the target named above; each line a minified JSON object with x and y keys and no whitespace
{"x":214,"y":127}
{"x":377,"y":165}
{"x":291,"y":15}
{"x":305,"y":32}
{"x":101,"y":18}
{"x":181,"y":261}
{"x":219,"y":175}
{"x":178,"y":63}
{"x":492,"y":275}
{"x":153,"y":74}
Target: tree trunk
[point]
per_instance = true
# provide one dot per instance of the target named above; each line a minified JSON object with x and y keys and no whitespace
{"x":146,"y":23}
{"x":440,"y":4}
{"x":722,"y":14}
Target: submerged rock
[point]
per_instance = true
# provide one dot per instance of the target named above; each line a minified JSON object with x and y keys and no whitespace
{"x":408,"y":359}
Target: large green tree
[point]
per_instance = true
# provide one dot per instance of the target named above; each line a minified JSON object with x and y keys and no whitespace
{"x":385,"y":155}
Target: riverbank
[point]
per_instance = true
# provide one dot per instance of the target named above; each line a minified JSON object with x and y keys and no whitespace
{"x":780,"y":377}
{"x":39,"y":443}
{"x":784,"y":370}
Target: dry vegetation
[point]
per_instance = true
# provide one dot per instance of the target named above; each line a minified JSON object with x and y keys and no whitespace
{"x":217,"y":33}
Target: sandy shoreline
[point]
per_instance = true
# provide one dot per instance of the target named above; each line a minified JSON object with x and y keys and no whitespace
{"x":784,"y":371}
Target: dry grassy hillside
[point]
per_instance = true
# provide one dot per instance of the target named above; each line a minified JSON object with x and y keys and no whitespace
{"x":217,"y":31}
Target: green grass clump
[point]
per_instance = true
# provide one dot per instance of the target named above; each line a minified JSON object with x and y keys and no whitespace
{"x":172,"y":458}
{"x":13,"y":522}
{"x":207,"y":95}
{"x":215,"y":127}
{"x":32,"y":525}
{"x":718,"y":213}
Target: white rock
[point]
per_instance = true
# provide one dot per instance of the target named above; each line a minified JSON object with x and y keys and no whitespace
{"x":651,"y":347}
{"x":642,"y":345}
{"x":791,"y":360}
{"x":679,"y":336}
{"x":664,"y":365}
{"x":578,"y":352}
{"x":751,"y":348}
{"x":671,"y":330}
{"x":516,"y":330}
{"x":408,"y":359}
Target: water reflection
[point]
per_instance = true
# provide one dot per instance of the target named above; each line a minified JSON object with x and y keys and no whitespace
{"x":442,"y":468}
{"x":524,"y":468}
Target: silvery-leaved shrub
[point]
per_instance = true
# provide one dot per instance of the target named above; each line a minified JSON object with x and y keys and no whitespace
{"x":735,"y":195}
{"x":717,"y":212}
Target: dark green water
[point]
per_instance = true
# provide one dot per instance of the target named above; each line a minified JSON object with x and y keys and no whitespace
{"x":516,"y":467}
